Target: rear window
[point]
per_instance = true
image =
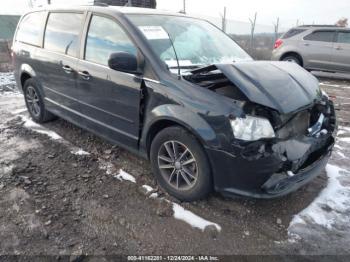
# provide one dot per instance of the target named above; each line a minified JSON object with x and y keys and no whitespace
{"x":30,"y":29}
{"x":343,"y":37}
{"x":62,"y":33}
{"x":293,"y":32}
{"x":321,"y":36}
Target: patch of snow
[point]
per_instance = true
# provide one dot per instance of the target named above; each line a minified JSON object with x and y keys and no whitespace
{"x":344,"y":139}
{"x":19,"y":111}
{"x":329,"y":85}
{"x":346,"y":128}
{"x":28,"y":123}
{"x":153,"y":195}
{"x":293,"y":238}
{"x":192,"y":219}
{"x":148,"y":188}
{"x":341,"y":132}
{"x":7,"y":79}
{"x":341,"y":154}
{"x":8,"y":85}
{"x":80,"y":152}
{"x":106,"y":166}
{"x":290,"y":173}
{"x":338,"y":147}
{"x":4,"y":170}
{"x":125,"y":176}
{"x":331,"y":208}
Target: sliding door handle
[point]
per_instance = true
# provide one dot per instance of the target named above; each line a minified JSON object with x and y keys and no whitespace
{"x":85,"y":75}
{"x":67,"y":69}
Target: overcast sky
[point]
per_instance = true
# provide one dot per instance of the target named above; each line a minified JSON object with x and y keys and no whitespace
{"x":306,"y":11}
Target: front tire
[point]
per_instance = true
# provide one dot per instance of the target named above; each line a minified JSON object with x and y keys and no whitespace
{"x":35,"y":102}
{"x":180,"y":164}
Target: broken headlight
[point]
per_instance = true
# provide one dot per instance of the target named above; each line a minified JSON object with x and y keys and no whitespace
{"x":252,"y":128}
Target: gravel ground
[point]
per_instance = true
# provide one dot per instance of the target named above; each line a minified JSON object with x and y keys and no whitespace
{"x":56,"y":199}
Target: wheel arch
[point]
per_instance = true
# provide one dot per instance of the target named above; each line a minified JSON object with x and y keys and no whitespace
{"x":174,"y":115}
{"x":26,"y":72}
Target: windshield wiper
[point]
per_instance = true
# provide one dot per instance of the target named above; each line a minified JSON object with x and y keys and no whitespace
{"x":185,"y":67}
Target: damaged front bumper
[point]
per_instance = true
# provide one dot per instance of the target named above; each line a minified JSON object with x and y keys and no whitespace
{"x":269,"y":176}
{"x":275,"y":167}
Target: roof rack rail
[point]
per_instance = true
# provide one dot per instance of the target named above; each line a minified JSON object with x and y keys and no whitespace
{"x":319,"y":26}
{"x":100,"y":4}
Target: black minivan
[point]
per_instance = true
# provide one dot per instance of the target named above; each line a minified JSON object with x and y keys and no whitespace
{"x":180,"y":92}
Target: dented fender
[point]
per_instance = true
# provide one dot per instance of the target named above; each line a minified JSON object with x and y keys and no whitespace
{"x":183,"y":117}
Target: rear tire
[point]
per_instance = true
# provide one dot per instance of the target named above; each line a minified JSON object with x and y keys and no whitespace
{"x":35,"y":102}
{"x":292,"y":59}
{"x":180,"y":164}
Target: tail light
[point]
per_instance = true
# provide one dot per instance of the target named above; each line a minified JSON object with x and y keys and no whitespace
{"x":278,"y":43}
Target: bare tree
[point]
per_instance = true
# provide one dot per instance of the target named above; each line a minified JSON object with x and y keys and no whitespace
{"x":343,"y":22}
{"x":30,"y":3}
{"x":224,"y":21}
{"x":183,"y":10}
{"x":252,"y":31}
{"x":276,"y":27}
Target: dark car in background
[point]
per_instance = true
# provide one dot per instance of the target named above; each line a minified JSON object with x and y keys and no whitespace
{"x":180,"y":92}
{"x":315,"y":47}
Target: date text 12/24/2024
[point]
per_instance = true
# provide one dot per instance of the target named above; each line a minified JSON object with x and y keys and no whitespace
{"x":173,"y":258}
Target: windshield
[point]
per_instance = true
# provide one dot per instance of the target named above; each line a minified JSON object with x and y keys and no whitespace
{"x":197,"y":42}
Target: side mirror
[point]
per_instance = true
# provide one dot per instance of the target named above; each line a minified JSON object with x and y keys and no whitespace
{"x":124,"y":62}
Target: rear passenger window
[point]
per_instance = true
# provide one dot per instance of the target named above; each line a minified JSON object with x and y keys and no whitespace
{"x":343,"y":37}
{"x":105,"y":37}
{"x":293,"y":32}
{"x":62,"y":33}
{"x":30,"y":29}
{"x":321,"y":36}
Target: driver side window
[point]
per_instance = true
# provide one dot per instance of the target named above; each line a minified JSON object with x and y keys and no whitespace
{"x":105,"y":37}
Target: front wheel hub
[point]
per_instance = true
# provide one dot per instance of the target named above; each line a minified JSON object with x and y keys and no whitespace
{"x":177,"y":165}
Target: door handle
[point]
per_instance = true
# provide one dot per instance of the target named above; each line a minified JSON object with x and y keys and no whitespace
{"x":85,"y":75}
{"x":67,"y":69}
{"x":339,"y":48}
{"x":306,"y":44}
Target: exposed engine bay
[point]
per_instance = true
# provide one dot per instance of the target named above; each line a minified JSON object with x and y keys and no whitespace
{"x":302,"y":117}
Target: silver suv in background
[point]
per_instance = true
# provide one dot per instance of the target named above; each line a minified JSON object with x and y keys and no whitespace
{"x":323,"y":48}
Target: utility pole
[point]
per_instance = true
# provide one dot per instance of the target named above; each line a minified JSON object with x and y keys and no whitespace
{"x":252,"y":30}
{"x":276,"y":26}
{"x":224,"y":20}
{"x":49,"y":2}
{"x":183,"y":10}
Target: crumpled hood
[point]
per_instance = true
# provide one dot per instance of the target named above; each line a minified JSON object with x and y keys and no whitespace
{"x":283,"y":86}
